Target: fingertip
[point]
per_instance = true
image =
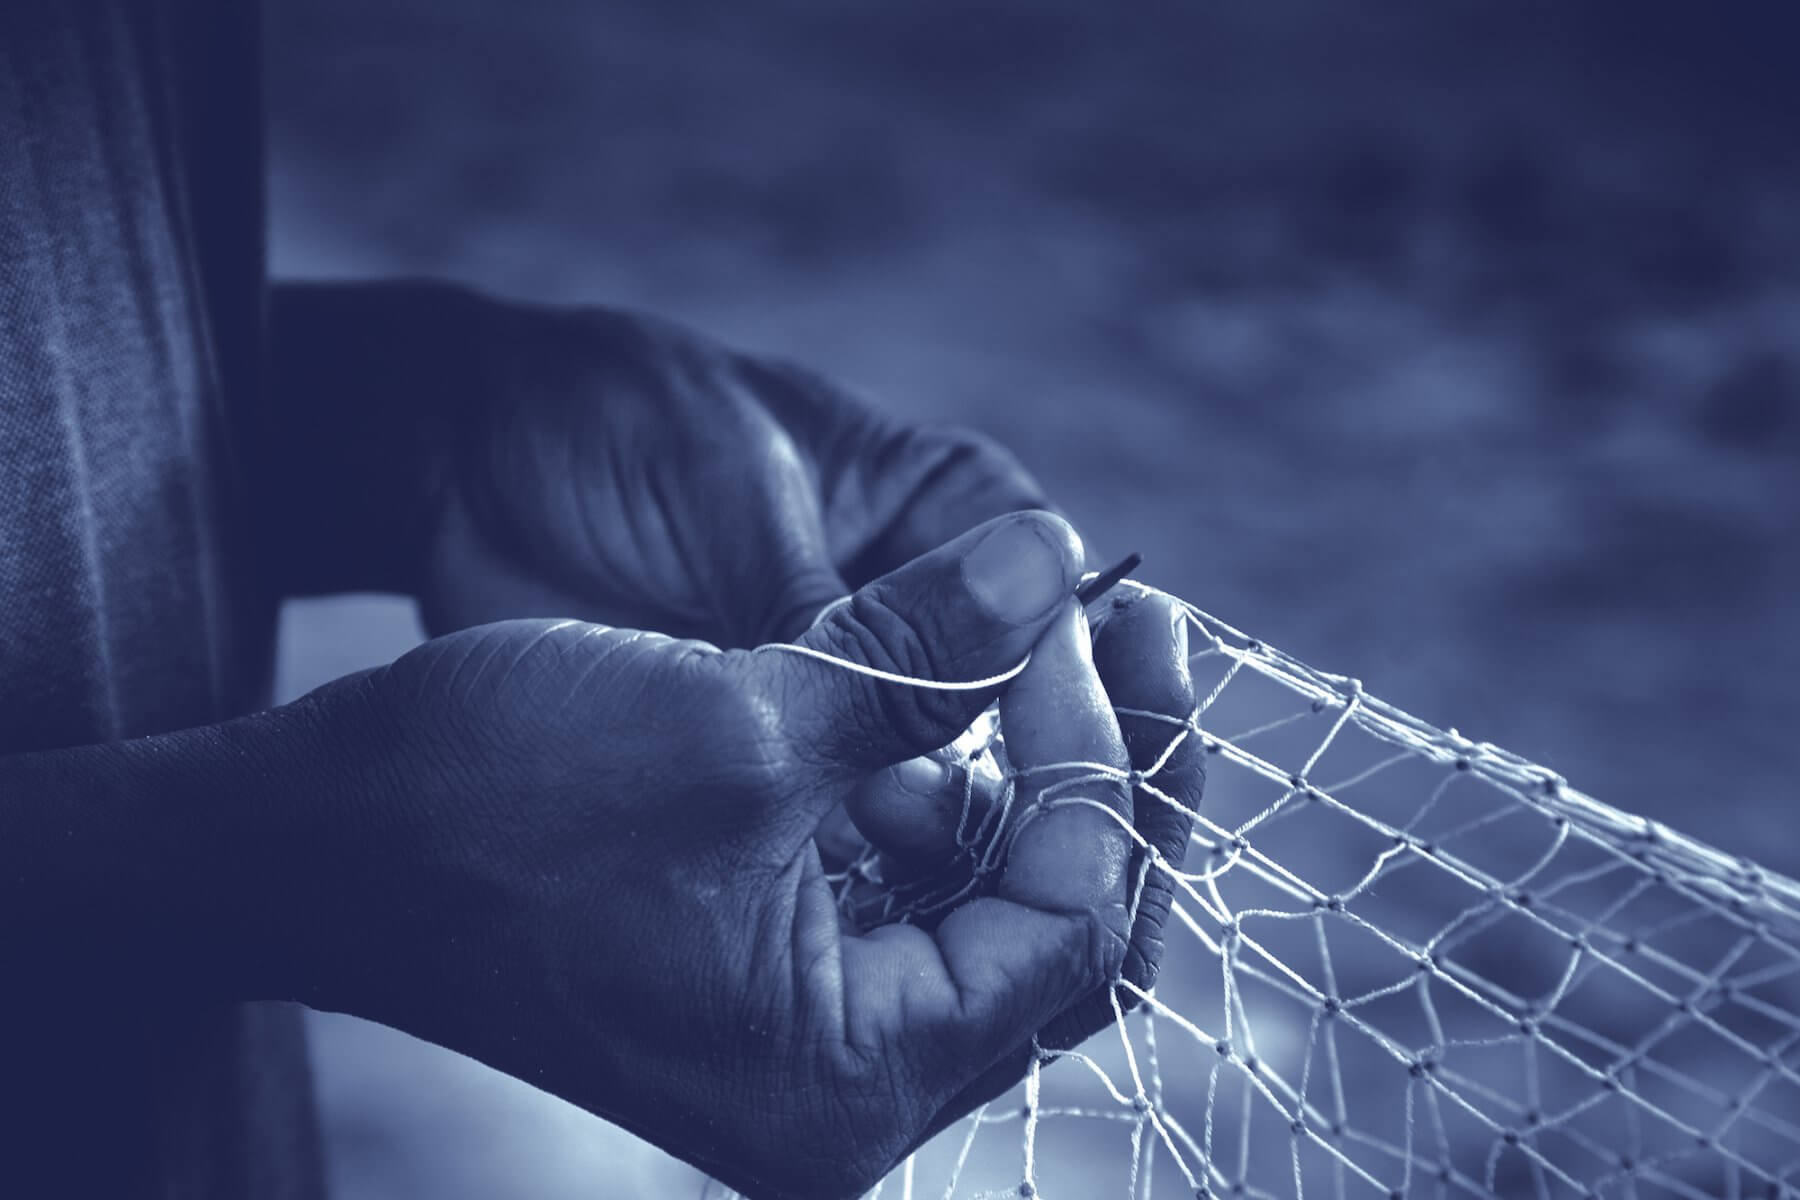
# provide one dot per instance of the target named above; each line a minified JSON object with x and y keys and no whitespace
{"x":1023,"y":565}
{"x":950,"y":625}
{"x":1141,"y":653}
{"x":927,"y":813}
{"x":909,"y":810}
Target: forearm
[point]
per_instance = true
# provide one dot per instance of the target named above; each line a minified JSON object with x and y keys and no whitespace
{"x":371,"y":387}
{"x":154,"y":865}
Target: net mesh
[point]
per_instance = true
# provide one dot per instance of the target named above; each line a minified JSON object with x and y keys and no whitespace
{"x":1402,"y":963}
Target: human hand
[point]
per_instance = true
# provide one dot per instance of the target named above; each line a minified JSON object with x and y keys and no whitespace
{"x":626,"y":470}
{"x":586,"y":858}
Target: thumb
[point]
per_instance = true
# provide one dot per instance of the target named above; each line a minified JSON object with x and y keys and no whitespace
{"x":970,"y":609}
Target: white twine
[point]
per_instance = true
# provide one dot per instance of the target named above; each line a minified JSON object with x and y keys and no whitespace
{"x":1686,"y":942}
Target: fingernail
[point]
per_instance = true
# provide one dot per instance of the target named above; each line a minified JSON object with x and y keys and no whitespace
{"x":1178,"y":618}
{"x":1016,"y":572}
{"x":924,"y":776}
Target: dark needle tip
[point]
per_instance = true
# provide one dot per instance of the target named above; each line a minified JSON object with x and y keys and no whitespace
{"x":1104,"y":582}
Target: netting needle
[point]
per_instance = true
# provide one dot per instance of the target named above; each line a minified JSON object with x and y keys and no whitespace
{"x":1106,"y":580}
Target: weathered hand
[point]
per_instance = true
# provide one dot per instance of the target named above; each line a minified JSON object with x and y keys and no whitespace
{"x":934,"y":824}
{"x":587,"y":859}
{"x":626,"y":470}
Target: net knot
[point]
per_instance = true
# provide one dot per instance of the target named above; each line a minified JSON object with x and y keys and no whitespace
{"x":1580,"y":887}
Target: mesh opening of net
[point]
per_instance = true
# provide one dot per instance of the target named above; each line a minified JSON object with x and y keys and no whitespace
{"x":1404,"y":964}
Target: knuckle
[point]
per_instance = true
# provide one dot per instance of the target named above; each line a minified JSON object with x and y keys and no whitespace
{"x":981,"y":467}
{"x":1106,"y":951}
{"x":1143,"y":958}
{"x":1171,"y":836}
{"x":871,"y":631}
{"x":1143,"y":962}
{"x":959,"y":445}
{"x":962,"y":468}
{"x":997,"y":462}
{"x":1096,"y":951}
{"x":806,"y":587}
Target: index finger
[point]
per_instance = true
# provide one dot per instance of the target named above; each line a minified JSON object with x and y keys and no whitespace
{"x":1069,"y":844}
{"x":1142,"y":654}
{"x":1057,"y":930}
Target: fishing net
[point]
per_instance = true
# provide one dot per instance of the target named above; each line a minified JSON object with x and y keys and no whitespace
{"x":1405,"y":964}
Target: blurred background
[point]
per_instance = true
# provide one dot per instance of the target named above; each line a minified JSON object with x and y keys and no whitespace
{"x":1453,"y":346}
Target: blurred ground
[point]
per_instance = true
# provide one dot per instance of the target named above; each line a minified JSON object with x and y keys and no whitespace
{"x":1454,"y":348}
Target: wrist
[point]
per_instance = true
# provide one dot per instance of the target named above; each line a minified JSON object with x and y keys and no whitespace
{"x":143,"y":864}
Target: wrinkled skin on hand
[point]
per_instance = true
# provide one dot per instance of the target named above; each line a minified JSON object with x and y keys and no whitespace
{"x":590,"y":862}
{"x":627,"y":470}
